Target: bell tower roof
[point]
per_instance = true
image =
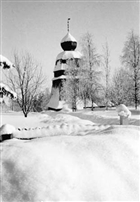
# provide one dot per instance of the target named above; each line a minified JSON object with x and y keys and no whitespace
{"x":68,"y":37}
{"x":68,"y":43}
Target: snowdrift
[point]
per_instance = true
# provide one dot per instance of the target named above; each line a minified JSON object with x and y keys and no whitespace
{"x":97,"y":163}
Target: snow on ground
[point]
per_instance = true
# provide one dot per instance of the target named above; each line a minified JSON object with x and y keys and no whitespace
{"x":18,"y":120}
{"x":85,"y":162}
{"x":102,"y":116}
{"x":98,"y":116}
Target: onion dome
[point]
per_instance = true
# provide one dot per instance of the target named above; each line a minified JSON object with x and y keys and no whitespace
{"x":68,"y":43}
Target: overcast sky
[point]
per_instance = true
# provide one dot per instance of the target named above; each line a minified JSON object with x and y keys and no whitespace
{"x":39,"y":26}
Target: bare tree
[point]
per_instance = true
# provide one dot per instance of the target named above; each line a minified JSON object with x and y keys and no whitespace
{"x":131,"y":59}
{"x":41,"y":100}
{"x":120,"y":90}
{"x":84,"y":90}
{"x":106,"y":65}
{"x":91,"y":73}
{"x":26,"y":80}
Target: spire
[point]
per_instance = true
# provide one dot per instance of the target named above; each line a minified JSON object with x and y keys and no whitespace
{"x":68,"y":24}
{"x":68,"y":43}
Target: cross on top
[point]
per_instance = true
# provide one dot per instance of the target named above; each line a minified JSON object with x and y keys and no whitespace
{"x":68,"y":24}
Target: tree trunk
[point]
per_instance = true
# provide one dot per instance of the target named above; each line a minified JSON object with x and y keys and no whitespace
{"x":12,"y":105}
{"x":121,"y":120}
{"x":85,"y":102}
{"x":107,"y":105}
{"x":74,"y":107}
{"x":135,"y":95}
{"x":25,"y":114}
{"x":92,"y":105}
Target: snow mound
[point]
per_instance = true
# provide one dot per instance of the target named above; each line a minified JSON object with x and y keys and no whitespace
{"x":61,"y":124}
{"x":100,"y":166}
{"x":54,"y":129}
{"x":7,"y":129}
{"x":63,"y":118}
{"x":123,"y":111}
{"x":6,"y":132}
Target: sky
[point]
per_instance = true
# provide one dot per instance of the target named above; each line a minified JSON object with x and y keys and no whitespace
{"x":37,"y":27}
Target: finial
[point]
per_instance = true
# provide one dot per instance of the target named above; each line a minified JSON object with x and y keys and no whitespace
{"x":68,"y":24}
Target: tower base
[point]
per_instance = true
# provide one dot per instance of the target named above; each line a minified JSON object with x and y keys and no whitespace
{"x":55,"y":103}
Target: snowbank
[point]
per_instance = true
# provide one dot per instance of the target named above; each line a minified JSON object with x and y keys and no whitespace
{"x":73,"y":160}
{"x":97,"y":165}
{"x":61,"y":124}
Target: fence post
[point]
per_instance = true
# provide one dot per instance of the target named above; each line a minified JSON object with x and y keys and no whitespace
{"x":121,"y":120}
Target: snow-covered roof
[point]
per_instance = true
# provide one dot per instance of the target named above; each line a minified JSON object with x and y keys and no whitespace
{"x":68,"y":37}
{"x":65,"y":55}
{"x":59,"y":77}
{"x":8,"y":90}
{"x":68,"y":55}
{"x":60,"y":66}
{"x":2,"y":85}
{"x":5,"y":63}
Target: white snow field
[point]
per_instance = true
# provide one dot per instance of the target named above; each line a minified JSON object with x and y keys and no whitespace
{"x":73,"y":160}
